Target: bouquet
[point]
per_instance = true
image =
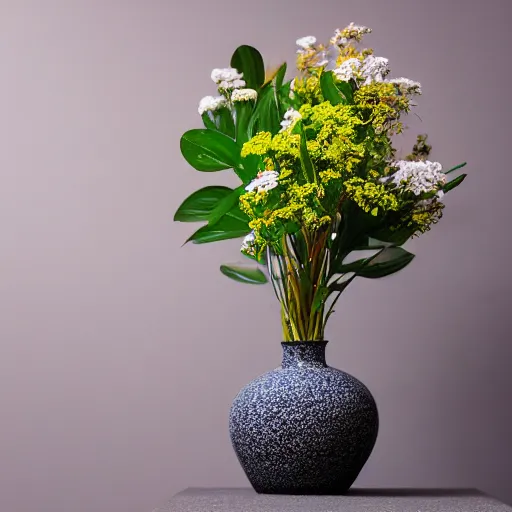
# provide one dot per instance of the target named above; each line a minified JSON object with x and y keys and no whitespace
{"x":319,"y":177}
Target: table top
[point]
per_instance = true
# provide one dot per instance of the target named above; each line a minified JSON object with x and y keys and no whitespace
{"x":197,"y":499}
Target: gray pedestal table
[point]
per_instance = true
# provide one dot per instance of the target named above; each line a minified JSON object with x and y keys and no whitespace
{"x":358,"y":500}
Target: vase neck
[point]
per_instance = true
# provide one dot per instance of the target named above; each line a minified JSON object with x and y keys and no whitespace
{"x":304,"y":354}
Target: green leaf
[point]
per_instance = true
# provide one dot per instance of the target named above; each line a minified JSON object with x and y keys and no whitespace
{"x":248,"y":60}
{"x":225,"y":122}
{"x":227,"y":227}
{"x":208,"y":122}
{"x":395,"y":237}
{"x":456,"y":167}
{"x":339,"y":287}
{"x":244,"y":110}
{"x":330,"y":91}
{"x":454,"y":183}
{"x":225,"y":205}
{"x":244,"y":274}
{"x":266,"y":117}
{"x":209,"y":150}
{"x":346,"y":90}
{"x":249,"y":168}
{"x":279,"y":78}
{"x":307,"y":166}
{"x":200,"y":204}
{"x":387,"y":262}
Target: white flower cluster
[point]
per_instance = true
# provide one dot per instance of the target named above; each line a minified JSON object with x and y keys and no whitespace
{"x":291,"y":116}
{"x":371,"y":69}
{"x":228,"y":78}
{"x":248,"y":244}
{"x":348,"y":70}
{"x":407,"y":87}
{"x":211,"y":104}
{"x":244,"y":95}
{"x":419,"y":177}
{"x":264,"y":181}
{"x":305,"y":43}
{"x":374,"y":69}
{"x":342,"y":37}
{"x":307,"y":46}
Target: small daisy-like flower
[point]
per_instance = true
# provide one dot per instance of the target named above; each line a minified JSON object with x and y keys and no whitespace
{"x":211,"y":103}
{"x":264,"y":181}
{"x":244,"y":95}
{"x":291,"y":116}
{"x":305,"y":43}
{"x":406,"y":86}
{"x":418,"y":177}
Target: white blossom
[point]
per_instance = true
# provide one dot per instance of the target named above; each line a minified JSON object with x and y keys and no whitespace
{"x":264,"y":181}
{"x":231,"y":85}
{"x":338,"y":39}
{"x":323,"y":60}
{"x":352,"y":31}
{"x":291,"y":116}
{"x":419,"y":177}
{"x":305,"y":43}
{"x":248,"y":243}
{"x":244,"y":95}
{"x":225,"y":75}
{"x":348,"y":70}
{"x":407,"y":86}
{"x":211,"y":103}
{"x":374,"y":69}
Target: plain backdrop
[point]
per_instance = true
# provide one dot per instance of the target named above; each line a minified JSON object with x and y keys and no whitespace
{"x":121,"y":350}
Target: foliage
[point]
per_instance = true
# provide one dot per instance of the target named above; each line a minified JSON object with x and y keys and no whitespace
{"x":319,"y":177}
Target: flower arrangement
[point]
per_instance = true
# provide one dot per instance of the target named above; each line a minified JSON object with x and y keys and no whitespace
{"x":319,"y":175}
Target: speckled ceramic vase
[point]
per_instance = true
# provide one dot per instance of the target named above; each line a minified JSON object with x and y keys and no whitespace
{"x":303,"y":428}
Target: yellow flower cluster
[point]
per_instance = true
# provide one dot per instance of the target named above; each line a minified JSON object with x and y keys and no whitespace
{"x":381,"y":105}
{"x":370,"y":197}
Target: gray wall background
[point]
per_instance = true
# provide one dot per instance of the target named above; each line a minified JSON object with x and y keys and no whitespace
{"x":120,"y":351}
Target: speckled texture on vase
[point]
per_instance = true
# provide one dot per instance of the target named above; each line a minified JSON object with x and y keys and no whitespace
{"x":303,"y":428}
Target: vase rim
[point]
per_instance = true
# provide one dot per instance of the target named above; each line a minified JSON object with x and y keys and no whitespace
{"x":306,"y":343}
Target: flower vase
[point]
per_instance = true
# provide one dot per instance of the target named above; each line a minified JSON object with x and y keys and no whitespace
{"x":305,"y":427}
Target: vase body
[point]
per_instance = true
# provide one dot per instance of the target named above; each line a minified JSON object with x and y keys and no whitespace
{"x":303,"y":428}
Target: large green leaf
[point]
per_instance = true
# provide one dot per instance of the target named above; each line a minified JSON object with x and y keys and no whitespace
{"x":387,"y":262}
{"x":248,"y":60}
{"x":227,"y":227}
{"x":244,"y":274}
{"x":199,"y":205}
{"x":395,"y":237}
{"x":454,"y":183}
{"x":226,"y":204}
{"x":266,"y":117}
{"x":330,"y":91}
{"x":249,"y":168}
{"x":209,"y":150}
